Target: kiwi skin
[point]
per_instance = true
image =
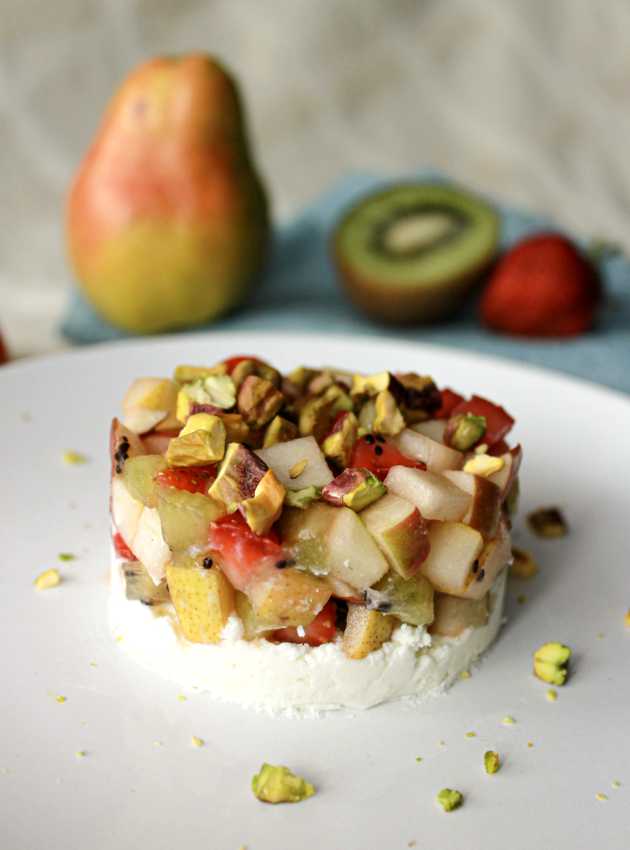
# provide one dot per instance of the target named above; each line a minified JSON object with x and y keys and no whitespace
{"x":405,"y":305}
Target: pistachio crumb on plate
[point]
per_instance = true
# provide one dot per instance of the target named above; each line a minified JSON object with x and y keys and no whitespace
{"x":277,"y":784}
{"x":491,"y":761}
{"x":47,"y":579}
{"x":508,"y":720}
{"x":548,"y":523}
{"x":74,"y":458}
{"x":450,"y":799}
{"x":523,"y":564}
{"x":551,"y":662}
{"x":197,"y":742}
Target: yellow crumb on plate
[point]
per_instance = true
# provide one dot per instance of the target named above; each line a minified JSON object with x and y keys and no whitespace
{"x":530,"y":744}
{"x":197,"y":742}
{"x":508,"y":720}
{"x":626,"y":619}
{"x":80,"y":754}
{"x":615,"y":784}
{"x":47,"y":579}
{"x":74,"y":458}
{"x":471,"y":734}
{"x":66,"y":556}
{"x":465,"y":674}
{"x":60,"y":699}
{"x":119,"y":638}
{"x":551,"y":695}
{"x":523,"y":564}
{"x":599,"y":796}
{"x":181,"y":697}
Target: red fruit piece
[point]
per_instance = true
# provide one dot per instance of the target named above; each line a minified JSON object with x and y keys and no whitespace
{"x":542,"y":287}
{"x":122,"y":550}
{"x":450,"y":400}
{"x":498,"y":421}
{"x":379,"y":456}
{"x":194,"y":479}
{"x":323,"y":629}
{"x":244,"y":556}
{"x":4,"y":355}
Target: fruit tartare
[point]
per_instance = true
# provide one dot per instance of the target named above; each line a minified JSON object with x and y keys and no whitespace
{"x":312,"y":540}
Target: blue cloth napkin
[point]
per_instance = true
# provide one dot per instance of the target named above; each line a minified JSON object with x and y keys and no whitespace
{"x":299,"y":292}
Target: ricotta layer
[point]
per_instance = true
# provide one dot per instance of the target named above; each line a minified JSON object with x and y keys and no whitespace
{"x":295,"y":678}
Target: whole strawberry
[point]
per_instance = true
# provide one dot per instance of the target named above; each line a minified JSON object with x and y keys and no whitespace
{"x":542,"y":287}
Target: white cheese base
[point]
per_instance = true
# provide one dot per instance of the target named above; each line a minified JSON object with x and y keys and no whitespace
{"x":295,"y":678}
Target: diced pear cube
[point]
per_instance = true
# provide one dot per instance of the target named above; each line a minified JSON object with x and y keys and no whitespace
{"x":203,"y":599}
{"x":366,"y":631}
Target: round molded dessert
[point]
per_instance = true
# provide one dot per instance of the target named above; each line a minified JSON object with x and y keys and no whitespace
{"x":296,"y":678}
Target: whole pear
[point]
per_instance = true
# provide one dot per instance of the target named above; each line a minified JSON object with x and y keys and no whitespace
{"x":167,"y":221}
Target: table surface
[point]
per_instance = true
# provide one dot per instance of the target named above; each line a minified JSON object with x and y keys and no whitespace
{"x":524,"y":101}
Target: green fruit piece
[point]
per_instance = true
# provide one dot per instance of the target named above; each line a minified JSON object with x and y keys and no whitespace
{"x":139,"y":477}
{"x":186,"y":517}
{"x":411,"y":599}
{"x":277,"y":784}
{"x":411,"y":252}
{"x":139,"y":585}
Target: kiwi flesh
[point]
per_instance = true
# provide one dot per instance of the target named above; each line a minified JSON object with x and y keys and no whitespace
{"x":411,"y":252}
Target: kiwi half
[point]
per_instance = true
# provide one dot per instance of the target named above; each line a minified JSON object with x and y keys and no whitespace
{"x":411,"y":252}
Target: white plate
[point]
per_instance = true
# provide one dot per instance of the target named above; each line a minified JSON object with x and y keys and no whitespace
{"x":129,"y":792}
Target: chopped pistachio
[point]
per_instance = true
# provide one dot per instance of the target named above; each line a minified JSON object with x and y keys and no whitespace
{"x":484,"y":465}
{"x":523,"y":564}
{"x":491,"y":761}
{"x":188,"y":374}
{"x":181,"y":697}
{"x":355,"y":488}
{"x":61,"y":699}
{"x":339,"y":443}
{"x":318,"y":413}
{"x":243,"y":370}
{"x":301,"y":376}
{"x":471,"y":734}
{"x":370,"y":385}
{"x":302,"y":498}
{"x":418,"y":759}
{"x":320,"y":382}
{"x":388,"y":420}
{"x":548,"y":523}
{"x":47,"y":579}
{"x":80,"y":754}
{"x":450,"y":799}
{"x":277,"y":784}
{"x":263,"y":508}
{"x":238,"y":476}
{"x":66,"y":556}
{"x":201,"y":441}
{"x":530,"y":744}
{"x":258,"y":401}
{"x":197,"y":742}
{"x":74,"y":458}
{"x":626,"y":619}
{"x":601,"y":797}
{"x":465,"y":674}
{"x":551,"y":661}
{"x":221,"y":391}
{"x":298,"y":468}
{"x":508,"y":720}
{"x":464,"y":431}
{"x":481,"y":449}
{"x":420,"y":397}
{"x":279,"y":430}
{"x":616,"y":784}
{"x":551,"y":695}
{"x":236,"y":429}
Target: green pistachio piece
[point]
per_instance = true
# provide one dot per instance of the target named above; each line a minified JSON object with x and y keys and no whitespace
{"x":279,"y":430}
{"x":277,"y":784}
{"x":187,"y":374}
{"x":318,"y":413}
{"x":265,"y":506}
{"x":238,"y":477}
{"x":547,"y":522}
{"x":301,"y":376}
{"x":258,"y":401}
{"x":201,"y":441}
{"x":339,"y":444}
{"x":551,"y":663}
{"x":370,"y":385}
{"x":388,"y":420}
{"x":221,"y":391}
{"x":302,"y":498}
{"x":450,"y":799}
{"x":464,"y":431}
{"x":355,"y":488}
{"x":491,"y":761}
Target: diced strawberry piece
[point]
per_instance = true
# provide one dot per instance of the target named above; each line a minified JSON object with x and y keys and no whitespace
{"x":122,"y":550}
{"x":498,"y":421}
{"x":193,"y":479}
{"x":450,"y":400}
{"x":323,"y":629}
{"x":377,"y":455}
{"x":243,"y":555}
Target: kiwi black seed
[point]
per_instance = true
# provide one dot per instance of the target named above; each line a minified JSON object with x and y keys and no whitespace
{"x":410,"y":253}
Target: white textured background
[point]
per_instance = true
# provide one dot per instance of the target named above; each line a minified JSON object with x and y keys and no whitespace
{"x":529,"y":99}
